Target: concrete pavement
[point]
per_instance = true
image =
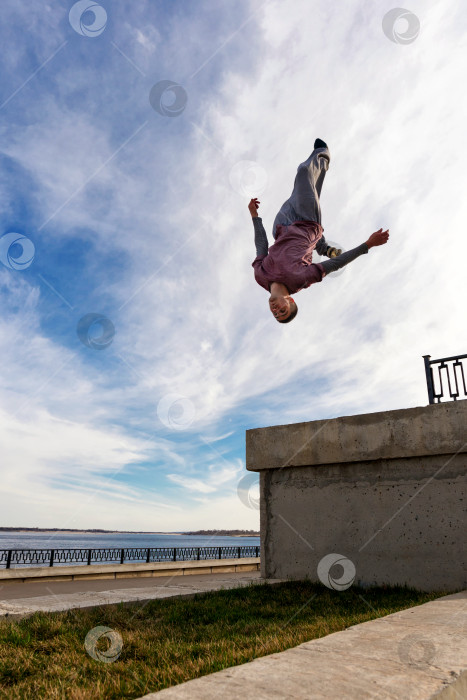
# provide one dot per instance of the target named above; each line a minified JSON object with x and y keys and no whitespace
{"x":23,"y":599}
{"x":416,"y":654}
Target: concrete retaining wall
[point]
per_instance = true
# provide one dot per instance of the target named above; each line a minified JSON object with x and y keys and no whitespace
{"x":113,"y":571}
{"x":386,"y":491}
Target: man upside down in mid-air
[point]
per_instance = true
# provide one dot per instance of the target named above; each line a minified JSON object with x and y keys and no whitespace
{"x":286,"y":267}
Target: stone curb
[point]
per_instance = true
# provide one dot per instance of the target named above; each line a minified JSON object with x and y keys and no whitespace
{"x":114,"y":571}
{"x":416,"y":654}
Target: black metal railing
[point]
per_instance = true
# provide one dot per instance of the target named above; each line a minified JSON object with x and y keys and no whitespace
{"x":57,"y":557}
{"x":454,"y":370}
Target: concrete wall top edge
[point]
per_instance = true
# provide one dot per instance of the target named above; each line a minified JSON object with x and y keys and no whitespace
{"x":411,"y":432}
{"x":79,"y":569}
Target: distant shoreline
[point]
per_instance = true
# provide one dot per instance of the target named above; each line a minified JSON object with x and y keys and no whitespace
{"x":86,"y":532}
{"x":219,"y":533}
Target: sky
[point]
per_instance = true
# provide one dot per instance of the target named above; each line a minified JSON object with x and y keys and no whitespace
{"x":137,"y":347}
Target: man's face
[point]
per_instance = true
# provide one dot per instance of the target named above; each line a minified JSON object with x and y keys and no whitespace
{"x":281,"y":306}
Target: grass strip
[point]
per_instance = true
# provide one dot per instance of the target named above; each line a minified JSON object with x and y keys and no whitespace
{"x":170,"y":641}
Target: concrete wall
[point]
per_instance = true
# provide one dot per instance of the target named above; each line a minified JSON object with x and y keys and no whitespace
{"x":133,"y":570}
{"x":386,"y":491}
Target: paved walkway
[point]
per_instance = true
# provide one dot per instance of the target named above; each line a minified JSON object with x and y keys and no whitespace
{"x":23,"y":599}
{"x":415,"y":654}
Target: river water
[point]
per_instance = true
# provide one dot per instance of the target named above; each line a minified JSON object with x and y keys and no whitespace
{"x":90,"y":540}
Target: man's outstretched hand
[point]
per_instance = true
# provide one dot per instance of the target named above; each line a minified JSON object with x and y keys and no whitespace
{"x":253,"y":207}
{"x":378,"y":238}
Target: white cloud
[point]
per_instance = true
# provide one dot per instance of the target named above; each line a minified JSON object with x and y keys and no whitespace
{"x":191,"y":484}
{"x":219,"y":437}
{"x":189,"y":315}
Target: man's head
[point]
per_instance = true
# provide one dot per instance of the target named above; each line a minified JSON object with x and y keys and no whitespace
{"x":283,"y":307}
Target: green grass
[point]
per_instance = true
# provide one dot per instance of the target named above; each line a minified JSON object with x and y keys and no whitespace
{"x":166,"y":642}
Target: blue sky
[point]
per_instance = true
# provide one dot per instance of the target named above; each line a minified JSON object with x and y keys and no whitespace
{"x":140,"y":217}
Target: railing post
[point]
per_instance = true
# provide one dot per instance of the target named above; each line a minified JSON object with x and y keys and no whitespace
{"x":220,"y":553}
{"x":429,"y":379}
{"x":52,"y":552}
{"x":175,"y":554}
{"x":122,"y":556}
{"x":257,"y":551}
{"x":8,"y":559}
{"x":238,"y":552}
{"x":148,"y":556}
{"x":199,"y":552}
{"x":89,"y":557}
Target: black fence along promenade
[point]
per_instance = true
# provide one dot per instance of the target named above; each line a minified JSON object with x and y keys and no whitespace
{"x":454,"y":371}
{"x":55,"y":557}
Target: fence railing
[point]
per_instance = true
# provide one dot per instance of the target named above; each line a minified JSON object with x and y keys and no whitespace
{"x":452,"y":371}
{"x":56,"y":557}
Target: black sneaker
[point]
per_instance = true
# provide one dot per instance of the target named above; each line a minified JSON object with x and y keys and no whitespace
{"x":320,"y":144}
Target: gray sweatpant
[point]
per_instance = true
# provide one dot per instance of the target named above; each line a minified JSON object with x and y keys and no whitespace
{"x":303,"y":205}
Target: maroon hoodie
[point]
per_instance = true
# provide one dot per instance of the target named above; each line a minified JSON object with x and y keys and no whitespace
{"x":289,"y":259}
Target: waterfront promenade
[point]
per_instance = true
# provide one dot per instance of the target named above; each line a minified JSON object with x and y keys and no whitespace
{"x":21,"y":599}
